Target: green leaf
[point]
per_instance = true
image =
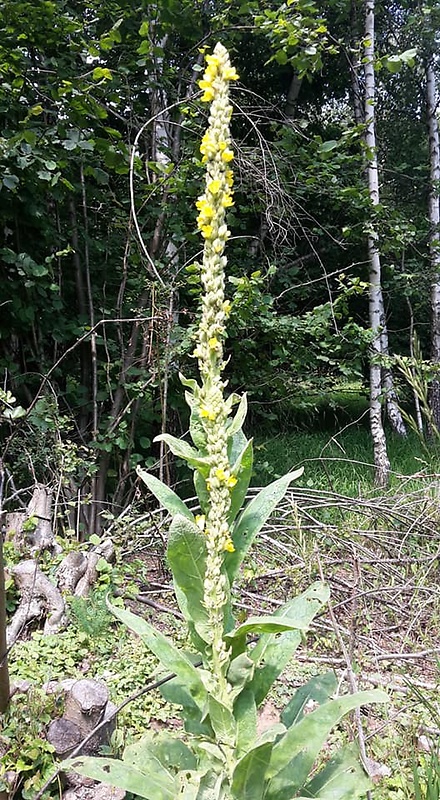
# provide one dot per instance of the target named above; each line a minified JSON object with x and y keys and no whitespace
{"x":326,"y":147}
{"x":184,"y":450}
{"x":202,"y":492}
{"x":248,"y":777}
{"x":190,"y":383}
{"x":245,"y":712}
{"x":252,"y":519}
{"x":168,"y":750}
{"x":273,"y":652}
{"x":222,"y":721}
{"x":149,"y":780}
{"x":187,"y":558}
{"x":242,"y":469}
{"x":144,"y":29}
{"x":10,"y":181}
{"x":101,"y":72}
{"x":170,"y":657}
{"x":268,"y":623}
{"x":241,"y":671}
{"x":236,"y":423}
{"x":166,"y":497}
{"x":342,"y":778}
{"x":318,"y":690}
{"x":196,"y":428}
{"x":295,"y":753}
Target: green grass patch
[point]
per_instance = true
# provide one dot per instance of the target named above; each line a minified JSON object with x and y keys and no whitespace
{"x":340,"y":462}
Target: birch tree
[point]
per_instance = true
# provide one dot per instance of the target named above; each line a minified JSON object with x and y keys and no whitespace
{"x":381,"y":460}
{"x":434,"y":248}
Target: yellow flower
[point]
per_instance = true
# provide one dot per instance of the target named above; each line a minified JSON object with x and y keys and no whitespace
{"x":227,"y":307}
{"x":231,"y":481}
{"x":229,"y":547}
{"x":200,"y":521}
{"x":229,"y":175}
{"x":227,"y":201}
{"x":213,"y":343}
{"x":206,"y":231}
{"x":230,"y":74}
{"x":208,"y":95}
{"x":213,"y":61}
{"x":227,"y":155}
{"x":214,"y":186}
{"x":208,"y":413}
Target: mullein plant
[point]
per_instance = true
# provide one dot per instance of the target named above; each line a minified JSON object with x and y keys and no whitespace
{"x":228,"y":670}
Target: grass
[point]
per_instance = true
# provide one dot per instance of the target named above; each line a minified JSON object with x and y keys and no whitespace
{"x":333,"y":444}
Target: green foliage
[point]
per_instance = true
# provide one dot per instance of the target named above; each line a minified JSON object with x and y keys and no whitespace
{"x":90,"y":616}
{"x":25,"y":750}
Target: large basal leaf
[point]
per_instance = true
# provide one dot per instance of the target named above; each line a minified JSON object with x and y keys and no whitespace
{"x":212,"y":786}
{"x":295,"y":753}
{"x":170,"y":657}
{"x":342,"y":778}
{"x":167,"y":498}
{"x":150,"y":780}
{"x":252,"y":519}
{"x":186,"y":555}
{"x":170,"y":751}
{"x":242,"y":469}
{"x":317,"y":690}
{"x":273,"y":651}
{"x":248,"y":777}
{"x":182,"y":449}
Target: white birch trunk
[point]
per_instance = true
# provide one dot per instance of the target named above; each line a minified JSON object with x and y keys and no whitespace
{"x":434,"y":233}
{"x":381,"y":461}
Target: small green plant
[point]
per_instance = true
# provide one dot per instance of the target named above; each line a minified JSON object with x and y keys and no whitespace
{"x":219,"y":754}
{"x":427,"y":777}
{"x":90,"y":615}
{"x":27,"y":757}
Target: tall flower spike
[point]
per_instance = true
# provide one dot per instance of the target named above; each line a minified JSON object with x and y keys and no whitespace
{"x":217,"y":154}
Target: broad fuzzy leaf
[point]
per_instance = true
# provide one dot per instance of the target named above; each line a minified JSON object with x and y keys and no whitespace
{"x":167,"y":498}
{"x":149,"y":780}
{"x":171,"y":752}
{"x":242,"y":469}
{"x":273,"y":651}
{"x":252,"y":519}
{"x":186,"y":555}
{"x":182,"y":449}
{"x":318,"y":690}
{"x":267,"y":624}
{"x":245,"y":712}
{"x":222,"y":721}
{"x":295,"y":753}
{"x":170,"y":657}
{"x":248,"y":777}
{"x":342,"y":778}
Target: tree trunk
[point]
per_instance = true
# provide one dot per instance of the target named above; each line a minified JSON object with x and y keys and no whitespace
{"x":381,"y":461}
{"x":434,"y":246}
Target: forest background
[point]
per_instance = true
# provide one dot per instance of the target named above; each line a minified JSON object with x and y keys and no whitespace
{"x":100,"y":168}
